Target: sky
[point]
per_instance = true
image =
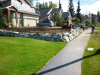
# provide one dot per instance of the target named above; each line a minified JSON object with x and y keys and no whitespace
{"x":86,"y":6}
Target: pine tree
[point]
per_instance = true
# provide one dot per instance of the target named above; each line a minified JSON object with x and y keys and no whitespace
{"x":71,"y":8}
{"x":78,"y":11}
{"x":98,"y":15}
{"x":3,"y":22}
{"x":94,"y":21}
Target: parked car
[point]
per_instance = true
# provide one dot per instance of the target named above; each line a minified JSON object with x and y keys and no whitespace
{"x":47,"y":23}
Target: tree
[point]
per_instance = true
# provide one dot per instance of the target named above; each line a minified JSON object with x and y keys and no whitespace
{"x":98,"y":15}
{"x":46,"y":5}
{"x":3,"y":22}
{"x":31,"y":1}
{"x":87,"y":22}
{"x":71,"y":8}
{"x":77,"y":21}
{"x":78,"y":11}
{"x":52,"y":5}
{"x":57,"y":18}
{"x":94,"y":21}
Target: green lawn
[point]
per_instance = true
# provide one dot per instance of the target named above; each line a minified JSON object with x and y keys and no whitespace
{"x":91,"y":61}
{"x":97,"y":27}
{"x":23,"y":56}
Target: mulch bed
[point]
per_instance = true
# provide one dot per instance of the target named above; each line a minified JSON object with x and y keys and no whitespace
{"x":40,"y":29}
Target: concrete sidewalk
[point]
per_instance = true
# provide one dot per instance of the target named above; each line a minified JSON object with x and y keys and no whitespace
{"x":68,"y":60}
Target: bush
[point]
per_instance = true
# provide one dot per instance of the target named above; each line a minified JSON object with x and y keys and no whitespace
{"x":87,"y":22}
{"x":3,"y":22}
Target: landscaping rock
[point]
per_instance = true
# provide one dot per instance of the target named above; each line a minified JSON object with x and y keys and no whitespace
{"x":1,"y":33}
{"x":64,"y":37}
{"x":6,"y":33}
{"x":12,"y":34}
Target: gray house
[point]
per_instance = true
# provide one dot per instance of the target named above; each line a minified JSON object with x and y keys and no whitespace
{"x":66,"y":14}
{"x":47,"y":13}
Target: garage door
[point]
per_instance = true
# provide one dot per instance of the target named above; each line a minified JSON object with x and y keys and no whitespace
{"x":30,"y":22}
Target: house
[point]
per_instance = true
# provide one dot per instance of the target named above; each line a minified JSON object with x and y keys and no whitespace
{"x":47,"y":13}
{"x":66,"y":14}
{"x":87,"y":17}
{"x":19,"y":13}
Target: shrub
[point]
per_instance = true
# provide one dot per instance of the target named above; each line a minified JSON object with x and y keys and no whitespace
{"x":3,"y":22}
{"x":87,"y":22}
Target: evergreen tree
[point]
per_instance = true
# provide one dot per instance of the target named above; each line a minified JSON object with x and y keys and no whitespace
{"x":71,"y":8}
{"x":3,"y":22}
{"x":98,"y":15}
{"x":94,"y":21}
{"x":60,"y":5}
{"x":78,"y":11}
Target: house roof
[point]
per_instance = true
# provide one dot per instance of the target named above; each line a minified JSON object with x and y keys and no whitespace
{"x":27,"y":12}
{"x":21,"y":11}
{"x":43,"y":12}
{"x":29,"y":3}
{"x":2,"y":0}
{"x":54,"y":11}
{"x":21,"y":1}
{"x":65,"y":14}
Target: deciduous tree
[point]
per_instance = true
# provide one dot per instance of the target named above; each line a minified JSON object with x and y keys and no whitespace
{"x":87,"y":22}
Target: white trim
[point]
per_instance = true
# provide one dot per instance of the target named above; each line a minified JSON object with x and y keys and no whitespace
{"x":49,"y":11}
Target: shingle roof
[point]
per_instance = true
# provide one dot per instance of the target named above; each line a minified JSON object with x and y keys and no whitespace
{"x":43,"y":12}
{"x":22,"y":11}
{"x":65,"y":14}
{"x":54,"y":11}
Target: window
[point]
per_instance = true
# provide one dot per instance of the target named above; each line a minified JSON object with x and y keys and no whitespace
{"x":33,"y":10}
{"x":19,"y":16}
{"x":14,"y":16}
{"x":23,"y":6}
{"x":0,"y":4}
{"x":17,"y":5}
{"x":29,"y":8}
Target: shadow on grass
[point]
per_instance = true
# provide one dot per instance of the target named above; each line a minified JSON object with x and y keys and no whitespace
{"x":64,"y":65}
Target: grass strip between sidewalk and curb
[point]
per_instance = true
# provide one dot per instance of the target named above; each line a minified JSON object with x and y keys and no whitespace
{"x":24,"y":56}
{"x":91,"y":59}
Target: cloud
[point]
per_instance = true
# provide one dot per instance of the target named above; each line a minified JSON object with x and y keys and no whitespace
{"x":91,"y":8}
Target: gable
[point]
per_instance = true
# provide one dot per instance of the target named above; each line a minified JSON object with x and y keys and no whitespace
{"x":44,"y":12}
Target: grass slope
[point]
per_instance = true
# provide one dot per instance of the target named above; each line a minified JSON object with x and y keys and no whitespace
{"x":91,"y":61}
{"x":23,"y":56}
